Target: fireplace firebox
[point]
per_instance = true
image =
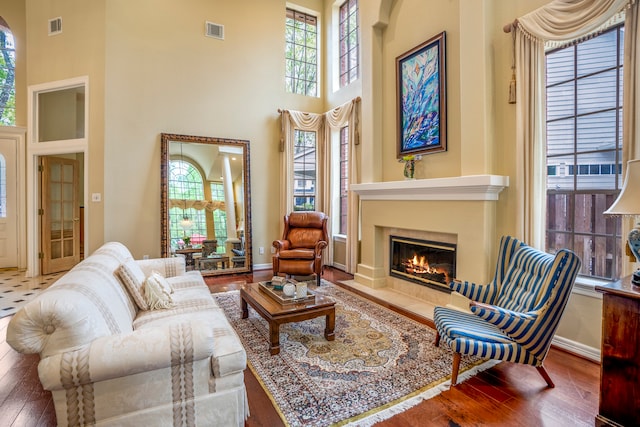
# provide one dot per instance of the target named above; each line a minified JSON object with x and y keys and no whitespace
{"x":425,"y":262}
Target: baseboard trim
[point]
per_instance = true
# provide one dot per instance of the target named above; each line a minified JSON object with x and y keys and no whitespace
{"x":574,"y":347}
{"x":259,"y":267}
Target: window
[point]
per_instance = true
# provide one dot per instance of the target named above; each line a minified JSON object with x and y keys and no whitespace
{"x":344,"y":178}
{"x":584,"y":141}
{"x":349,"y":42}
{"x":185,"y":183}
{"x":219,"y":216}
{"x":7,"y":76}
{"x":304,"y":171}
{"x":301,"y":53}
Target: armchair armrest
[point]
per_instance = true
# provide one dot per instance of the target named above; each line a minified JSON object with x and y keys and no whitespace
{"x":281,"y":245}
{"x":509,"y":321}
{"x":121,"y":355}
{"x":168,"y":267}
{"x":474,"y":291}
{"x":320,"y":245}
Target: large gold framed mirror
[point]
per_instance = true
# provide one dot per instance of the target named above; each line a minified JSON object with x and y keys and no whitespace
{"x":205,"y":203}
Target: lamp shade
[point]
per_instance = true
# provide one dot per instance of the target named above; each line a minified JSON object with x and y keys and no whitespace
{"x":628,"y":202}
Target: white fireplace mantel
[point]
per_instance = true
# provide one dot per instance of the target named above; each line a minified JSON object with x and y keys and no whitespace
{"x":470,"y":187}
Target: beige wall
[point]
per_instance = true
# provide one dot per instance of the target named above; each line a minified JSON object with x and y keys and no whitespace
{"x":164,"y":75}
{"x":77,"y":51}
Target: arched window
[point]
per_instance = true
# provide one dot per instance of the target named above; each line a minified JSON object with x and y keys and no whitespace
{"x":185,"y":184}
{"x":7,"y":76}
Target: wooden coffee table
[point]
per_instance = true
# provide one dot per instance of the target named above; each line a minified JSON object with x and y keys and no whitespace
{"x":277,"y":314}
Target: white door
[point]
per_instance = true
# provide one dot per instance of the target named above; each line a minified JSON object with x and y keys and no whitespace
{"x":8,"y":203}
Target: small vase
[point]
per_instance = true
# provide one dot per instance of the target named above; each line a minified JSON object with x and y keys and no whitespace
{"x":409,"y":169}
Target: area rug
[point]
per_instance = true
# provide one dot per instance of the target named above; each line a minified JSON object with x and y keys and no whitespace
{"x":380,"y":363}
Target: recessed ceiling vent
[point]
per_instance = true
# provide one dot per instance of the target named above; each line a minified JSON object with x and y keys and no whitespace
{"x":214,"y":30}
{"x":55,"y":26}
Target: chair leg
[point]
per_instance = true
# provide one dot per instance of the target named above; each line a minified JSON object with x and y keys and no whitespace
{"x":318,"y":280}
{"x":546,"y":376}
{"x":437,"y":343}
{"x":455,"y":368}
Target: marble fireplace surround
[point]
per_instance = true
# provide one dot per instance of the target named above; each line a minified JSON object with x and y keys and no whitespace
{"x":459,"y":210}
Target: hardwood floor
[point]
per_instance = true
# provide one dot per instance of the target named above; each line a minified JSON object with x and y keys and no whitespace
{"x":505,"y":395}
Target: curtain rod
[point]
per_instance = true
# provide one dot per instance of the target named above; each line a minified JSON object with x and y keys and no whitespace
{"x":356,"y":99}
{"x":508,"y":27}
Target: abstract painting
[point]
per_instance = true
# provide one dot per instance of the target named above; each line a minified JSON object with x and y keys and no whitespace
{"x":421,"y":92}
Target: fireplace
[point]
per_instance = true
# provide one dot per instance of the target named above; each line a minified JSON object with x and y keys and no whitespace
{"x":425,"y":262}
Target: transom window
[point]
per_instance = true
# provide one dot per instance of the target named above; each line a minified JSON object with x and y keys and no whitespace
{"x":7,"y":76}
{"x":349,"y":42}
{"x":304,"y":171}
{"x":301,"y":53}
{"x":584,"y":143}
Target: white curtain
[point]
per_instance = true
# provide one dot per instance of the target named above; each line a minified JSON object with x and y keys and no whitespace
{"x":555,"y":24}
{"x":631,"y":109}
{"x":323,"y":125}
{"x":348,"y":113}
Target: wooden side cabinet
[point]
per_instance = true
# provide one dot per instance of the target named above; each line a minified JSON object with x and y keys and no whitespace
{"x":620,"y":367}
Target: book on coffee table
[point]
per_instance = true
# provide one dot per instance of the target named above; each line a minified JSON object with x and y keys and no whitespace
{"x":277,"y":294}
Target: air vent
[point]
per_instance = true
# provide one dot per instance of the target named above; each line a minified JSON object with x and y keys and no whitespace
{"x":55,"y":26}
{"x":214,"y":30}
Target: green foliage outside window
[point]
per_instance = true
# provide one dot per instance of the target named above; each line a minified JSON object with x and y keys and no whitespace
{"x":304,"y":170}
{"x":301,"y":53}
{"x":7,"y":80}
{"x":185,"y":183}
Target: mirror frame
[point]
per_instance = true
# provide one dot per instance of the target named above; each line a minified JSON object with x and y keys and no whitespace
{"x":165,"y":240}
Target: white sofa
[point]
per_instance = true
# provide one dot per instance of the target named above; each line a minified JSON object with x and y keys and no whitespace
{"x":108,"y":362}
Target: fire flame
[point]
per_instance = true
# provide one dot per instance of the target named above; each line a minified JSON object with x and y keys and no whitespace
{"x":419,"y":267}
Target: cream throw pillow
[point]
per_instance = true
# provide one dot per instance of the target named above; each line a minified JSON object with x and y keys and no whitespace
{"x":162,"y":281}
{"x":133,"y":279}
{"x":157,"y":292}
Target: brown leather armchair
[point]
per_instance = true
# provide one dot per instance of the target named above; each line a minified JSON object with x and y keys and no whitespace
{"x":299,"y":252}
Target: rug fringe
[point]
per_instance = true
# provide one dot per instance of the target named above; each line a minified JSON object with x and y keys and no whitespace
{"x":387,"y":413}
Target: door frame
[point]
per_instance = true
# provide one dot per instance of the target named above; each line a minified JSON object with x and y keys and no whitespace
{"x":36,"y":149}
{"x":18,"y":134}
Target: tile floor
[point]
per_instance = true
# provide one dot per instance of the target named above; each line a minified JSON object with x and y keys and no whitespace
{"x":410,"y":303}
{"x":16,"y":290}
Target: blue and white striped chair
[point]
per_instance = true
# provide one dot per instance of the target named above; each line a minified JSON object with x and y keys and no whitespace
{"x":514,"y":317}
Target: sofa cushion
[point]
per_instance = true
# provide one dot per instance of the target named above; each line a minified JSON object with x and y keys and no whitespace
{"x":133,"y":279}
{"x":298,"y":253}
